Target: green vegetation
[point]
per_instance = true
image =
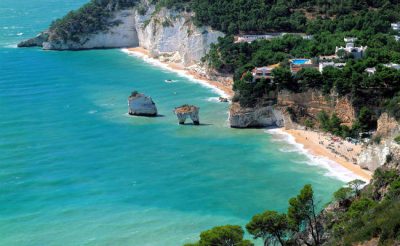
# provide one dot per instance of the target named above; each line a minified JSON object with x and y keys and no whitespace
{"x":90,"y":18}
{"x":369,"y":21}
{"x":369,"y":214}
{"x":377,"y":90}
{"x":256,"y":16}
{"x":358,"y":214}
{"x":272,"y":227}
{"x":229,"y":235}
{"x":397,"y":139}
{"x":365,"y":122}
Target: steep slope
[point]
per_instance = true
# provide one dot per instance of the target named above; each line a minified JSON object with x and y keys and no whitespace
{"x":163,"y":32}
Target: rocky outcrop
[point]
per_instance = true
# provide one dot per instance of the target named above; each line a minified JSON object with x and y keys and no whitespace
{"x":117,"y":36}
{"x":171,"y":36}
{"x":375,"y":155}
{"x":291,"y":109}
{"x":168,"y":35}
{"x":310,"y":103}
{"x":267,"y":116}
{"x":187,"y":111}
{"x":141,"y":105}
{"x":387,"y":127}
{"x":36,"y":41}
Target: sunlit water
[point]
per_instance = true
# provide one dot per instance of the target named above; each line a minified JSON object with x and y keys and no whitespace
{"x":75,"y":169}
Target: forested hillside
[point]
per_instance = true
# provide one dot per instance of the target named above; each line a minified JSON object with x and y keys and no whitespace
{"x":259,"y":16}
{"x":90,"y":18}
{"x":356,"y":215}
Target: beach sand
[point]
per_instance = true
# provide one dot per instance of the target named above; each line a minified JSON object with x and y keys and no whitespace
{"x":320,"y":144}
{"x":309,"y":139}
{"x":228,"y":91}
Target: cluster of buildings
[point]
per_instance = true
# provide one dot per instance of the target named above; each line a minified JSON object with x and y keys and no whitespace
{"x":396,"y":27}
{"x":372,"y":70}
{"x":320,"y":64}
{"x":350,"y":49}
{"x":296,"y":65}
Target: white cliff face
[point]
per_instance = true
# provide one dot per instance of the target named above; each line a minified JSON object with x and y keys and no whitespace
{"x":171,"y":36}
{"x":122,"y":35}
{"x":374,"y":156}
{"x":255,"y":117}
{"x":166,"y":34}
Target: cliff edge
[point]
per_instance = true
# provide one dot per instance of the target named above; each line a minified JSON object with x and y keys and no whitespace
{"x":165,"y":33}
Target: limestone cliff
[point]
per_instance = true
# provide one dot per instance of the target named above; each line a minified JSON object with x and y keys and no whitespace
{"x":308,"y":104}
{"x":171,"y":36}
{"x":262,"y":116}
{"x":376,"y":155}
{"x":291,"y":109}
{"x":167,"y":34}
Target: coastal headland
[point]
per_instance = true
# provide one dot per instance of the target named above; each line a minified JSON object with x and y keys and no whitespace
{"x":317,"y":143}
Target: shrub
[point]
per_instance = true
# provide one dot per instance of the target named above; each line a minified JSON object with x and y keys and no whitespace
{"x":397,"y":139}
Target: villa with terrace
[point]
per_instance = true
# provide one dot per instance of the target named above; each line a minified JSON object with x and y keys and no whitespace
{"x":298,"y":64}
{"x":350,"y":49}
{"x":263,"y":72}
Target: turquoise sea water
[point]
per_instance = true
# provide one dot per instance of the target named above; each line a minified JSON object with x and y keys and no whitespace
{"x":76,"y":170}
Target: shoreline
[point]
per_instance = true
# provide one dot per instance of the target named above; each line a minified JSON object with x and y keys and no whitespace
{"x":222,"y":90}
{"x":301,"y":137}
{"x":311,"y":141}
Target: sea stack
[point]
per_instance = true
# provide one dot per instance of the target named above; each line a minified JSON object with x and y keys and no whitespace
{"x":141,"y":105}
{"x":185,"y":111}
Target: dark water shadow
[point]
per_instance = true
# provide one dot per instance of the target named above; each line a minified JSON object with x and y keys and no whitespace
{"x":201,"y":124}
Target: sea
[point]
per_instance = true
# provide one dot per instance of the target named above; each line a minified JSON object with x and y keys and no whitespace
{"x":76,"y":169}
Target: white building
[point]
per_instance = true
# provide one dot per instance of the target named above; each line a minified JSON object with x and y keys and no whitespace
{"x":323,"y":65}
{"x":252,"y":38}
{"x":392,"y":65}
{"x":350,"y":49}
{"x":372,"y":70}
{"x":262,"y":72}
{"x":350,"y":40}
{"x":268,"y":36}
{"x":396,"y":26}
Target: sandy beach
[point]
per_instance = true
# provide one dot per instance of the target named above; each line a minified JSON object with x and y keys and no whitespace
{"x":228,"y":91}
{"x":341,"y":152}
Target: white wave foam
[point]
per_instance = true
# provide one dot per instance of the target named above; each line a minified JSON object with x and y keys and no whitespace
{"x":20,"y":34}
{"x":13,"y":46}
{"x":334,"y":169}
{"x":92,"y":112}
{"x":181,"y":73}
{"x":213,"y":99}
